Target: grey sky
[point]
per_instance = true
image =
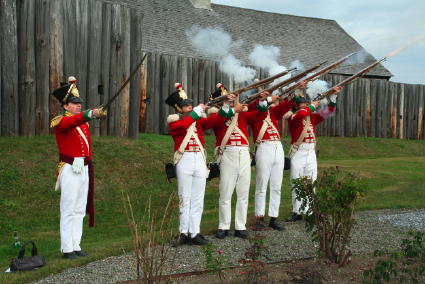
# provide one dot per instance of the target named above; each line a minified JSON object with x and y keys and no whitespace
{"x":380,"y":26}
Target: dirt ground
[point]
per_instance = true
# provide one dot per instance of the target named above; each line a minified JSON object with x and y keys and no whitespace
{"x":312,"y":271}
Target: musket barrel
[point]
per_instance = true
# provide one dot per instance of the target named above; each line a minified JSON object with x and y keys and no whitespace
{"x":283,"y":83}
{"x":252,"y":86}
{"x":350,"y":79}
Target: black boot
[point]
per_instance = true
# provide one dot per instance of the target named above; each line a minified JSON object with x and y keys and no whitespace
{"x":294,"y":217}
{"x":221,"y":234}
{"x":80,"y":253}
{"x":243,"y":234}
{"x":69,"y":255}
{"x":274,"y":224}
{"x":198,"y":240}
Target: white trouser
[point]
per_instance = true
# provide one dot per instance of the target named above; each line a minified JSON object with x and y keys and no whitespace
{"x":269,"y":163}
{"x":235,"y":171}
{"x":74,"y":189}
{"x":191,"y":173}
{"x":303,"y":164}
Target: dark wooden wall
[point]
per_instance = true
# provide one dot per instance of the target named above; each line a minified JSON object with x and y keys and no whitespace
{"x":46,"y":41}
{"x":198,"y":76}
{"x":377,"y":108}
{"x":367,"y":107}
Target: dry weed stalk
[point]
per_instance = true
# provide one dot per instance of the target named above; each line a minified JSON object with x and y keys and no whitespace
{"x":150,"y":238}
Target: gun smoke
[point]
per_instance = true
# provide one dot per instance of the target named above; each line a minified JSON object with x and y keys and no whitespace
{"x":357,"y":58}
{"x":216,"y":43}
{"x":265,"y":56}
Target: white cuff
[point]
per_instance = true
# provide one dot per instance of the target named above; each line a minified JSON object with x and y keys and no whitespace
{"x":332,"y":98}
{"x":225,"y":108}
{"x":90,"y":114}
{"x":198,"y":110}
{"x":269,"y":100}
{"x":262,"y":103}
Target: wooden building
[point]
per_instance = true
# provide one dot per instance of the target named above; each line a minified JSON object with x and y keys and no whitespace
{"x":101,"y":41}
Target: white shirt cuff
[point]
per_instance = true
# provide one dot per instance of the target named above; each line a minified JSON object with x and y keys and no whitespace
{"x":225,"y":108}
{"x":262,"y":103}
{"x":198,"y":110}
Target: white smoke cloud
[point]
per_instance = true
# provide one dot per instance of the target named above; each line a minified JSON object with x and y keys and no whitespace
{"x":266,"y":57}
{"x":297,"y":64}
{"x":216,"y":43}
{"x":316,"y":87}
{"x":233,"y":66}
{"x":357,"y":58}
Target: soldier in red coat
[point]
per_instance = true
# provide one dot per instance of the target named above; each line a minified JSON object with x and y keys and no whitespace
{"x":302,"y":127}
{"x":187,"y":129}
{"x":269,"y":161}
{"x":75,"y":169}
{"x":232,"y":151}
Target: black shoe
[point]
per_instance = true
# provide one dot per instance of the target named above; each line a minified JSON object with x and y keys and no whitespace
{"x":221,"y":234}
{"x":80,"y":253}
{"x":294,"y":217}
{"x":70,"y":255}
{"x":198,"y":240}
{"x":243,"y":234}
{"x":274,"y":224}
{"x":182,"y":239}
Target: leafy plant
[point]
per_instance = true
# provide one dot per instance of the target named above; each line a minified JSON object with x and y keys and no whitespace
{"x":256,"y":273}
{"x":408,"y":264}
{"x":215,"y":260}
{"x":329,"y":203}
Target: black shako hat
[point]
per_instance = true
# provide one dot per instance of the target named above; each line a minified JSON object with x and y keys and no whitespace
{"x":220,"y":91}
{"x":178,"y":99}
{"x":67,"y":93}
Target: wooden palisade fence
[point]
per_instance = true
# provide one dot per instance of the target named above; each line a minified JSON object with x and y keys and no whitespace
{"x":45,"y":41}
{"x":367,"y":107}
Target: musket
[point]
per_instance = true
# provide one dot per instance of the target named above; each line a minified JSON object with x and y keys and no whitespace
{"x":349,"y":79}
{"x":124,"y":84}
{"x":252,"y":86}
{"x":285,"y":93}
{"x":283,"y":83}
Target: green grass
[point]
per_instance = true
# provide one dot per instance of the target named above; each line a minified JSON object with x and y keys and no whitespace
{"x":393,"y":170}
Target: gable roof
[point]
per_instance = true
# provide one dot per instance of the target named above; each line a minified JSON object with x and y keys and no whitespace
{"x":310,"y":40}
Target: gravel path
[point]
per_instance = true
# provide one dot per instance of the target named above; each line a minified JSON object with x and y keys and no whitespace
{"x":378,"y":229}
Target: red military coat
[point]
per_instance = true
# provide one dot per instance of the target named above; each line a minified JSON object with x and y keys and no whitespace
{"x":276,"y":113}
{"x":178,"y":126}
{"x":69,"y":140}
{"x":296,"y":124}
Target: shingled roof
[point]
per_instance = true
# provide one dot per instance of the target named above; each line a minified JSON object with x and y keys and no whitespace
{"x":310,"y":40}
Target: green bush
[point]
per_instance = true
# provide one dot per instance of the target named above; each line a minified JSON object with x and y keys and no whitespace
{"x":408,"y":264}
{"x":329,"y":203}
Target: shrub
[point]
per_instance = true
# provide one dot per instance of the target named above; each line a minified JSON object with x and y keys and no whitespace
{"x":329,"y":203}
{"x":408,"y":264}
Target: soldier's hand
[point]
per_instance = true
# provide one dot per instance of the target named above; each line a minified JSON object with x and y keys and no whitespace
{"x":239,"y":107}
{"x":231,"y":97}
{"x":274,"y":99}
{"x":203,"y":107}
{"x":99,"y":113}
{"x":264,"y":95}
